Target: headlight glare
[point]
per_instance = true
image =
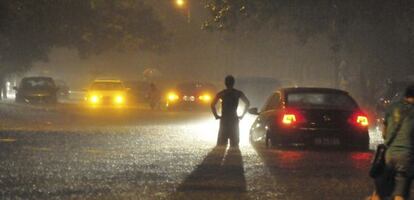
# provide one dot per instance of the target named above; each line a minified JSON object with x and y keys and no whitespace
{"x":119,"y":99}
{"x":94,"y":99}
{"x":172,"y":96}
{"x":205,"y":97}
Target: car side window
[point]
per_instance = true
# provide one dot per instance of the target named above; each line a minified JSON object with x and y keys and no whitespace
{"x":273,"y":102}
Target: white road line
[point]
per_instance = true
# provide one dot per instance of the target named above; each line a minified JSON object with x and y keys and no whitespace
{"x":38,"y":148}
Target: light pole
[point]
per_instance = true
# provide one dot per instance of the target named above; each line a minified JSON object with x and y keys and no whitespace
{"x":184,"y":4}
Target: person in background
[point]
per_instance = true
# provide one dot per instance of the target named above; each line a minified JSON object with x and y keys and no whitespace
{"x":154,"y":97}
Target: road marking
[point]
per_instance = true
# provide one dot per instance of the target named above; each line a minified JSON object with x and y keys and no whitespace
{"x":38,"y":148}
{"x":7,"y":140}
{"x":94,"y":151}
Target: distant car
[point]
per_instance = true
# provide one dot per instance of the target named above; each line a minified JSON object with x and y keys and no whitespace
{"x":63,"y":89}
{"x":312,"y":117}
{"x":191,"y":95}
{"x":106,"y":92}
{"x":36,"y":90}
{"x":257,"y":88}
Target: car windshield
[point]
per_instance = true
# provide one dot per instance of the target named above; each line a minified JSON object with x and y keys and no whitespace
{"x":107,"y":86}
{"x":30,"y":83}
{"x":195,"y":87}
{"x":321,"y":100}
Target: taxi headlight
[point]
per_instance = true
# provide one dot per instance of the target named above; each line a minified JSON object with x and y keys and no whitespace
{"x":119,"y":99}
{"x":94,"y":99}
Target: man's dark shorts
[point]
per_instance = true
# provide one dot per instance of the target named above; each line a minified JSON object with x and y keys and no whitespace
{"x":229,"y":130}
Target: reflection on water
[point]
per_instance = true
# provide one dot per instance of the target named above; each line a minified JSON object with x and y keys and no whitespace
{"x":360,"y":160}
{"x":207,"y":129}
{"x":220,"y":173}
{"x":222,"y":169}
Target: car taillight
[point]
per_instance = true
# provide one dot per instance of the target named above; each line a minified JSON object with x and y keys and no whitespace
{"x":362,"y":120}
{"x":289,"y":119}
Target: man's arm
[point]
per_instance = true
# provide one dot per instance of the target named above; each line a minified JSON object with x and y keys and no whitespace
{"x":246,"y":102}
{"x":213,"y":106}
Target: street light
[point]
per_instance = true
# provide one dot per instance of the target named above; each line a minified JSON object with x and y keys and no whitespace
{"x":183,"y":4}
{"x":180,"y":3}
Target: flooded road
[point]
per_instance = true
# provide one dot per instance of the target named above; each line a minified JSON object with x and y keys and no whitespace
{"x":67,"y":152}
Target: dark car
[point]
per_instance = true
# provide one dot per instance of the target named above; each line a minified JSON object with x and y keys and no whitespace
{"x":63,"y":89}
{"x":138,"y":90}
{"x":310,"y":117}
{"x":37,"y":90}
{"x":191,"y":95}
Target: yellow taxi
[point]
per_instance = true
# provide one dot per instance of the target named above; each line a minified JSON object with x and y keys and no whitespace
{"x":106,"y":92}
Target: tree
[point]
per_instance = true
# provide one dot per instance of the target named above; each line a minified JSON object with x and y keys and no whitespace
{"x":303,"y":18}
{"x":383,"y":29}
{"x":29,"y":29}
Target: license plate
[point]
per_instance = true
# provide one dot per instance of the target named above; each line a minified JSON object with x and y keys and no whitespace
{"x":327,"y":141}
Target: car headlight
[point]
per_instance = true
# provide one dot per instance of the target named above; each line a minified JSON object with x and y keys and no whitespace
{"x":205,"y":98}
{"x":119,"y":99}
{"x":172,"y":96}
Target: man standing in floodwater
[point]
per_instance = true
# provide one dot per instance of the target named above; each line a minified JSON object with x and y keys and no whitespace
{"x":229,"y":120}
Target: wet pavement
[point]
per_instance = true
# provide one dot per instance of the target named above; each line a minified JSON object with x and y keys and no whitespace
{"x":69,"y":152}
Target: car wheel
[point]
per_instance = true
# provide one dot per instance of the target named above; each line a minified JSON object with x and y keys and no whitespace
{"x":270,"y":141}
{"x":19,"y":99}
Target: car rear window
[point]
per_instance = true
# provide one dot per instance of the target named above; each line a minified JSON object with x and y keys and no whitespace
{"x":107,"y":86}
{"x":321,"y":100}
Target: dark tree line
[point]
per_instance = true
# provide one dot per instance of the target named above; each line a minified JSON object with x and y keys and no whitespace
{"x":30,"y":29}
{"x":380,"y":32}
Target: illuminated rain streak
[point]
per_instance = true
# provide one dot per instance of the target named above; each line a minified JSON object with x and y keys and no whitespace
{"x":8,"y":140}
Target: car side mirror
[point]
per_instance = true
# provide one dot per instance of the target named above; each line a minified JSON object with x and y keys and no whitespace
{"x":253,"y":111}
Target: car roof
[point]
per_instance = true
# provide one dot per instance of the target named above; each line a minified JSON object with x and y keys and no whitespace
{"x":195,"y":84}
{"x":107,"y":81}
{"x":256,"y":79}
{"x":312,"y":89}
{"x":38,"y":77}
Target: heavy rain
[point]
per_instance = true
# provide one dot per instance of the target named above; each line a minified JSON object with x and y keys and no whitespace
{"x":205,"y":99}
